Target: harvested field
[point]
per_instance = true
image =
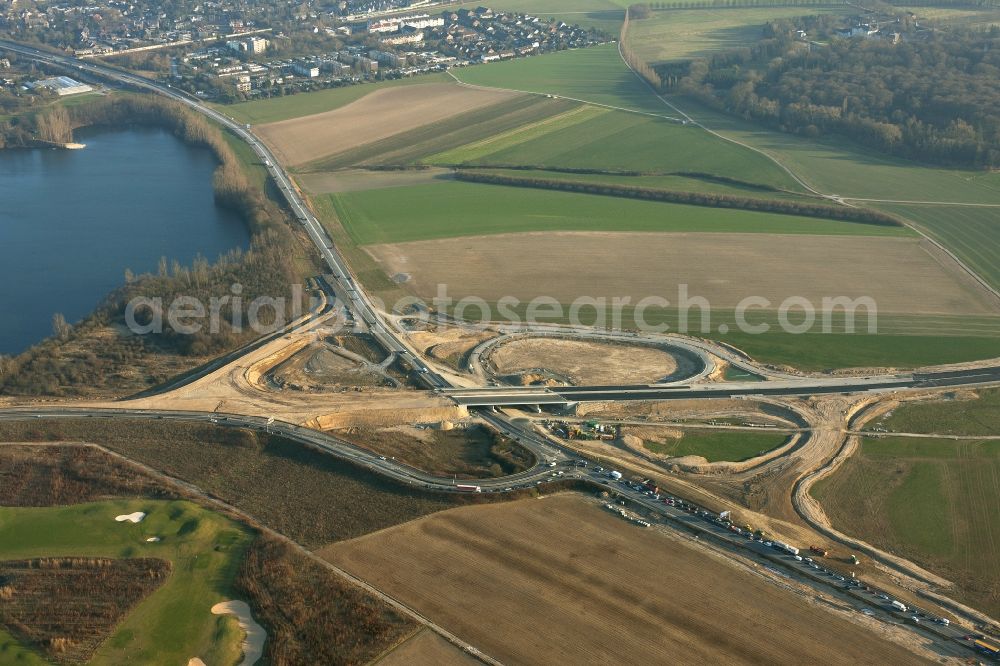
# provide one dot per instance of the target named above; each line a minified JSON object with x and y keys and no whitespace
{"x":375,"y":116}
{"x":564,"y":581}
{"x":467,"y":451}
{"x":584,"y":362}
{"x":900,"y":274}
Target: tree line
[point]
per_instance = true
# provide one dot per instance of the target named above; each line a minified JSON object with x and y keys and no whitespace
{"x":712,"y":200}
{"x":933,"y":96}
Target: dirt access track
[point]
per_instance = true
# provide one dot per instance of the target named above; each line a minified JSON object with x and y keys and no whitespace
{"x":562,"y":580}
{"x":900,"y":274}
{"x":375,"y":116}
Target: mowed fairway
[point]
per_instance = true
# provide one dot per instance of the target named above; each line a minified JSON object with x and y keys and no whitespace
{"x":382,"y":113}
{"x":561,"y":581}
{"x":172,"y":624}
{"x":934,"y":501}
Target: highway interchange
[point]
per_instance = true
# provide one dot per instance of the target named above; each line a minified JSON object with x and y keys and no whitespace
{"x":554,"y":462}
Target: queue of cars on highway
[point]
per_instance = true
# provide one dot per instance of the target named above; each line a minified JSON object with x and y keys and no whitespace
{"x":721,"y":527}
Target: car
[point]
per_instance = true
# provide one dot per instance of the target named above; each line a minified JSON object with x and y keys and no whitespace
{"x":914,"y":619}
{"x":381,"y":457}
{"x":867,"y":611}
{"x":798,"y":558}
{"x":943,"y":620}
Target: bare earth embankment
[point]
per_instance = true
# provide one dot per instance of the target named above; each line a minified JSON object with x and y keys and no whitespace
{"x":585,"y":362}
{"x":375,"y":116}
{"x":900,"y":274}
{"x":560,"y":580}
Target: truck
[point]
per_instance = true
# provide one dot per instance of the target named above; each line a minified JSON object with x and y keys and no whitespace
{"x":819,"y":550}
{"x":614,"y":475}
{"x":649,"y":485}
{"x":468,"y":488}
{"x":781,"y":545}
{"x":898,"y":605}
{"x":987,"y":648}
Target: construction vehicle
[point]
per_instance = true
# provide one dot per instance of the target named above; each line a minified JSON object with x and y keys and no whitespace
{"x":855,"y":560}
{"x":822,"y":552}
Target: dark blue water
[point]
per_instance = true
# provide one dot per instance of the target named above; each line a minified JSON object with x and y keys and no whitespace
{"x":72,"y":221}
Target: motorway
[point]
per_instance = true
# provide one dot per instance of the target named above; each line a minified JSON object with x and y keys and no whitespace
{"x":568,"y":395}
{"x":546,"y":452}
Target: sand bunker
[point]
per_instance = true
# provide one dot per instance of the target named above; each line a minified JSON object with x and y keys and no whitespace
{"x":253,"y":643}
{"x":131,"y":517}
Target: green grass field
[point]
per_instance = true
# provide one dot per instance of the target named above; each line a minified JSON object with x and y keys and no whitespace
{"x":716,"y":446}
{"x":972,"y":233}
{"x":671,"y":183}
{"x":448,"y":209}
{"x":682,"y":34}
{"x":930,"y":500}
{"x":620,"y":141}
{"x":961,"y":416}
{"x":901,"y":342}
{"x":175,"y":622}
{"x":305,"y":104}
{"x":836,"y":166}
{"x":606,"y":15}
{"x":593,"y":74}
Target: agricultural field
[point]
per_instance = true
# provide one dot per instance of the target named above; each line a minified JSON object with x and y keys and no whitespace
{"x":712,"y":445}
{"x":596,"y":74}
{"x":306,"y":104}
{"x":605,"y":140}
{"x":412,"y":146}
{"x":972,"y":233}
{"x":671,"y":183}
{"x":955,"y":414}
{"x":566,"y":581}
{"x":683,"y":34}
{"x":173,"y":623}
{"x":849,"y":170}
{"x":930,"y":500}
{"x":957,"y":17}
{"x":449,"y":209}
{"x":898,"y":274}
{"x":375,"y":116}
{"x":606,"y":15}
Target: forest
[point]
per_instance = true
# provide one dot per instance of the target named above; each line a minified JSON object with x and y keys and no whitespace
{"x":931,"y":96}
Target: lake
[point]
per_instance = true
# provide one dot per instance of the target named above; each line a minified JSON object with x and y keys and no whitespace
{"x":72,"y":221}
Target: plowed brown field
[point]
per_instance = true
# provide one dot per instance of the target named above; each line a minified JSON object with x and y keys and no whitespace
{"x":375,"y":116}
{"x":562,"y":581}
